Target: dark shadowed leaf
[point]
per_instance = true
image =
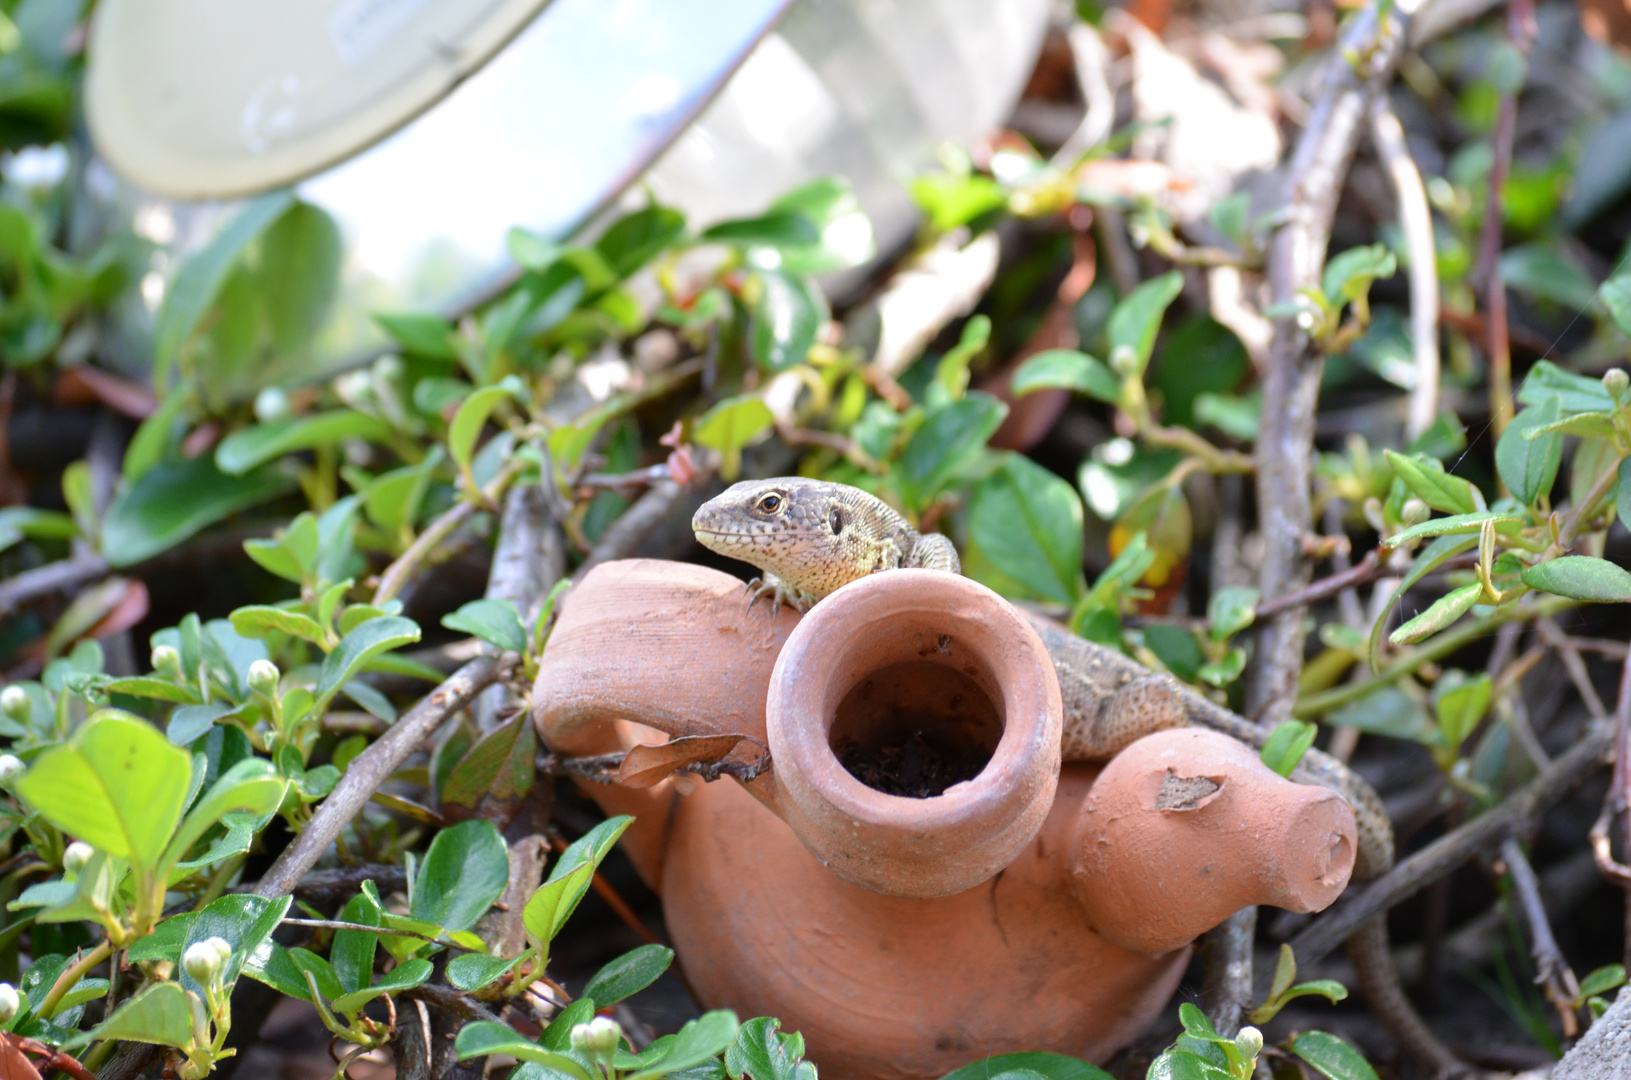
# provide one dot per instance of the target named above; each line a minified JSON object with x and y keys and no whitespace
{"x":174,"y":500}
{"x":628,"y":974}
{"x":1528,"y":465}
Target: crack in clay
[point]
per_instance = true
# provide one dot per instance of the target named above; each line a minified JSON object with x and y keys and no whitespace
{"x":1185,"y":792}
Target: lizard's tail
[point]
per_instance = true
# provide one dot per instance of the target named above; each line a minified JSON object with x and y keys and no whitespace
{"x":1379,"y":981}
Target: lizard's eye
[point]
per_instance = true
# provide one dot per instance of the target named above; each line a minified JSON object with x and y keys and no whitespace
{"x":770,"y":503}
{"x":835,"y":519}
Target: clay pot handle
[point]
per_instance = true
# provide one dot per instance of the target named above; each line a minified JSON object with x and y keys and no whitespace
{"x":1186,"y":827}
{"x":903,"y":651}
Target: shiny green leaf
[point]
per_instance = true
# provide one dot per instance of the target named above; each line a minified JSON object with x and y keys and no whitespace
{"x":1581,"y":577}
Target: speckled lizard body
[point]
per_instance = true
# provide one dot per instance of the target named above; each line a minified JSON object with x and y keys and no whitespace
{"x":810,"y":537}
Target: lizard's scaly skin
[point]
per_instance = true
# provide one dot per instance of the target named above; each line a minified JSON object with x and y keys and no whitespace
{"x":805,"y":552}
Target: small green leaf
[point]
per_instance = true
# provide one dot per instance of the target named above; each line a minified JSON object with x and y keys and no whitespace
{"x":1231,"y":610}
{"x":493,"y":621}
{"x":731,"y":425}
{"x":405,"y":976}
{"x":1622,"y":496}
{"x":1443,"y":611}
{"x":1528,"y":462}
{"x":635,"y":239}
{"x":628,"y":974}
{"x":152,"y":439}
{"x":472,"y":416}
{"x":1052,"y":1066}
{"x":1287,"y":745}
{"x":700,"y":1039}
{"x":473,"y":971}
{"x":1456,"y":525}
{"x":1581,"y":577}
{"x":245,"y":922}
{"x":1459,"y":703}
{"x":174,"y":500}
{"x":1389,"y":711}
{"x":789,"y":312}
{"x":190,"y":722}
{"x":551,"y":904}
{"x":1195,"y":1023}
{"x":118,"y":785}
{"x":1136,"y":320}
{"x":1430,"y":483}
{"x":252,"y":446}
{"x":259,"y":620}
{"x":465,"y":870}
{"x":1574,"y":393}
{"x":1348,"y":276}
{"x":1069,"y":370}
{"x":1028,"y":523}
{"x":777,"y":229}
{"x":501,"y":764}
{"x":1332,"y":1057}
{"x":1221,"y":673}
{"x":951,"y":440}
{"x":952,"y":371}
{"x":160,"y":1014}
{"x":251,"y":785}
{"x":420,"y":334}
{"x":1601,"y":981}
{"x":360,"y":646}
{"x":1615,"y":293}
{"x":484,"y":1038}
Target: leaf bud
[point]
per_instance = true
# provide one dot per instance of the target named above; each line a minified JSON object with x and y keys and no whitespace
{"x":76,"y":856}
{"x":598,"y":1039}
{"x":15,"y":704}
{"x":1615,"y":381}
{"x":263,"y":677}
{"x":11,"y":767}
{"x":9,"y":1002}
{"x":167,"y":661}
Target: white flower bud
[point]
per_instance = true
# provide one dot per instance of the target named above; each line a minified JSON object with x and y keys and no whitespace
{"x":222,"y":947}
{"x":1249,"y":1042}
{"x":11,"y":767}
{"x":15,"y":704}
{"x":203,"y":960}
{"x":263,"y":677}
{"x":167,"y":660}
{"x":1615,"y":381}
{"x":598,"y":1039}
{"x":9,"y":1002}
{"x":77,"y":855}
{"x":271,"y":404}
{"x":1414,"y":511}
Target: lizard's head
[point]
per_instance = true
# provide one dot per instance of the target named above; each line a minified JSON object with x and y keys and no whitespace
{"x":787,"y":525}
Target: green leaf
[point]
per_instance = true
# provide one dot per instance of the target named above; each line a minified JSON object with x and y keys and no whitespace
{"x":1183,"y":1065}
{"x":190,"y":722}
{"x":950,"y":440}
{"x":1574,"y":393}
{"x":1615,"y":293}
{"x":1231,"y":610}
{"x":776,"y":229}
{"x":1455,"y":525}
{"x":251,"y":785}
{"x":1544,"y":271}
{"x":787,"y":315}
{"x":465,"y":870}
{"x":160,"y":1014}
{"x":493,"y":621}
{"x":952,"y":370}
{"x":1195,"y":1023}
{"x":1028,"y":523}
{"x":166,"y":940}
{"x":634,"y":239}
{"x":357,"y":648}
{"x":761,"y":1051}
{"x":1388,"y":711}
{"x":592,"y":847}
{"x":252,"y":446}
{"x":696,"y":1042}
{"x":1052,"y":1066}
{"x":951,"y":200}
{"x":174,"y":500}
{"x":472,"y":417}
{"x":1332,"y":1057}
{"x":1430,"y":483}
{"x":1221,"y":673}
{"x":1528,"y":466}
{"x":1069,"y":370}
{"x":118,"y":785}
{"x":1137,"y":319}
{"x":405,"y":976}
{"x":1581,"y":577}
{"x":484,"y":1038}
{"x":420,"y":334}
{"x":1459,"y":703}
{"x":199,"y":281}
{"x":472,"y":971}
{"x":298,"y":275}
{"x":152,"y":439}
{"x":730,"y":425}
{"x":551,"y":904}
{"x":501,"y":764}
{"x":628,"y":974}
{"x":259,"y":620}
{"x":1443,"y":611}
{"x":1287,"y":745}
{"x":1601,"y":981}
{"x":243,"y":921}
{"x":1348,"y":276}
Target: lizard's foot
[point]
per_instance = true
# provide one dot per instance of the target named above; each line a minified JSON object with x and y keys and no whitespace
{"x":779,"y":594}
{"x":935,"y":552}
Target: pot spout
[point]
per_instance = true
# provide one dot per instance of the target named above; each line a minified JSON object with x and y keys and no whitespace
{"x":1183,"y":828}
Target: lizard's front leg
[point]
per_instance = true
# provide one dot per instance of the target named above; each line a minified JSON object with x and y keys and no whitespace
{"x":934,"y":552}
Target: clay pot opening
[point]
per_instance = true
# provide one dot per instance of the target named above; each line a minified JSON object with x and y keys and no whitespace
{"x":916,"y":727}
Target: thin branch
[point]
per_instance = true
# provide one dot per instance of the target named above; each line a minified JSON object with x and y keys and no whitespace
{"x":339,"y":924}
{"x":625,"y":535}
{"x":1416,"y":222}
{"x":1553,"y":636}
{"x":1552,"y":970}
{"x":448,"y":1000}
{"x":372,"y":767}
{"x":396,"y":575}
{"x":1514,"y":815}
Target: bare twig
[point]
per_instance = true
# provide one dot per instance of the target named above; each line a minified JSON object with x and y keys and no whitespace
{"x":1513,"y":816}
{"x":624,"y":536}
{"x":1617,"y":800}
{"x":1552,"y":970}
{"x":530,"y":556}
{"x":1553,"y":636}
{"x":371,"y":768}
{"x":1416,"y":222}
{"x":397,"y":574}
{"x":65,"y":575}
{"x":1091,"y":62}
{"x":1227,"y":993}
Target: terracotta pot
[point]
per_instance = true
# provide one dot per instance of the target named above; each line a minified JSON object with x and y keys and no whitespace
{"x":1027,"y":908}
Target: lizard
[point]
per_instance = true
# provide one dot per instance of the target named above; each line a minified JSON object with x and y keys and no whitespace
{"x":808,"y":538}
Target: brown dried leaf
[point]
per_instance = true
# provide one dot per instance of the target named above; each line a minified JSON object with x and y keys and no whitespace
{"x":648,"y":765}
{"x":13,"y":1065}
